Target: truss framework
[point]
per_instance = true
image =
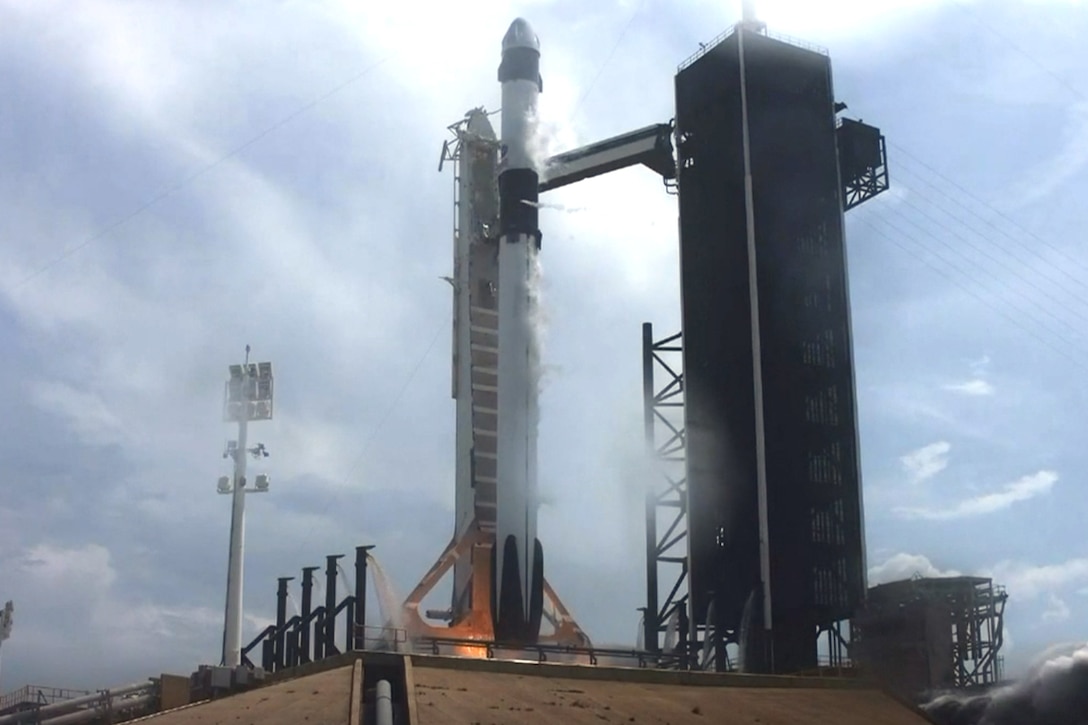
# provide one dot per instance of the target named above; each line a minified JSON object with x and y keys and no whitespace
{"x":667,"y":629}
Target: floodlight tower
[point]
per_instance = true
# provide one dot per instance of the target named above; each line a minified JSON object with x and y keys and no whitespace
{"x":247,"y":397}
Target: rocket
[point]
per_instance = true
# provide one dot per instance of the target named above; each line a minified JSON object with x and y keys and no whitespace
{"x":517,"y":568}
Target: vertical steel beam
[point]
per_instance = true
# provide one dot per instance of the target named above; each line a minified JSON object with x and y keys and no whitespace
{"x":650,"y":619}
{"x":328,"y":631}
{"x":281,"y":620}
{"x":305,"y":652}
{"x":359,"y":632}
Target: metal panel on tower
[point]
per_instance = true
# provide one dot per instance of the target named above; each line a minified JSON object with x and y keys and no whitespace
{"x":774,"y":499}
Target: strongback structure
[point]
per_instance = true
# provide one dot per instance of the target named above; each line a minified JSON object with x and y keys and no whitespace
{"x":772,"y":492}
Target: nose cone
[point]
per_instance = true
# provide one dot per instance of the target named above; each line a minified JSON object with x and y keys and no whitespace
{"x":520,"y":35}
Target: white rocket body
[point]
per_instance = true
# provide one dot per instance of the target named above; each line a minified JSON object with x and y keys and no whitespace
{"x":518,"y":561}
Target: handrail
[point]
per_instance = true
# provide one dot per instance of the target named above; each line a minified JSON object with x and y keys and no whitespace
{"x":35,"y":695}
{"x":643,"y":657}
{"x":266,"y":632}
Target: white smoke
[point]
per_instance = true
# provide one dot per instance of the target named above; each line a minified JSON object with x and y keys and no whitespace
{"x":544,"y":143}
{"x":557,"y":207}
{"x":1053,"y":692}
{"x":538,"y":321}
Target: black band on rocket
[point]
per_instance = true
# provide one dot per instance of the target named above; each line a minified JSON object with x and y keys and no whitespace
{"x":518,"y":193}
{"x":521,"y":64}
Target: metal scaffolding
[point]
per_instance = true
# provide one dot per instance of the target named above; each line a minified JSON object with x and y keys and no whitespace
{"x":933,"y":633}
{"x":667,"y":629}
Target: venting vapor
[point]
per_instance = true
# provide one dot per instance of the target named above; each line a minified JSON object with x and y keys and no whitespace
{"x":1054,"y":692}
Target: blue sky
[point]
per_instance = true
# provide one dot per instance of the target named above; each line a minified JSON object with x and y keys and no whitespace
{"x":183,"y":179}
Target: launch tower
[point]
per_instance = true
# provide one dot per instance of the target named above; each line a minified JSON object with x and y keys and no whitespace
{"x":775,"y":536}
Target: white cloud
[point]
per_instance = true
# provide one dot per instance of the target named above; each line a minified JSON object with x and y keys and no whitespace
{"x":976,"y":387}
{"x":1023,"y":489}
{"x":88,"y":415}
{"x":927,"y":461}
{"x":1067,"y":163}
{"x":135,"y":632}
{"x":836,"y":19}
{"x":1057,"y":610}
{"x":904,"y":566}
{"x":1029,"y":581}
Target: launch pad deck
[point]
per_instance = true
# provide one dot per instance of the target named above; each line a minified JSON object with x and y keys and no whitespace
{"x":433,"y":690}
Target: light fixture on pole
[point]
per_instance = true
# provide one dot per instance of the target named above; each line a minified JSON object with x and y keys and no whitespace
{"x":247,"y":397}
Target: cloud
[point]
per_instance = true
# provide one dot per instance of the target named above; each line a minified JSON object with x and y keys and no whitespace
{"x":1057,"y":610}
{"x":904,"y":566}
{"x":321,"y":244}
{"x":1066,"y":163}
{"x":1029,"y":581}
{"x":141,"y":636}
{"x":927,"y":461}
{"x":976,"y":387}
{"x":1023,"y":489}
{"x":88,"y":415}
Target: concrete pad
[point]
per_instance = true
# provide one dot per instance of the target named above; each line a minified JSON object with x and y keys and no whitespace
{"x":320,"y":699}
{"x":458,"y":696}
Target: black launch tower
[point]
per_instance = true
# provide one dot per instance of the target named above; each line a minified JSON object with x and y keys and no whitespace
{"x":774,"y":506}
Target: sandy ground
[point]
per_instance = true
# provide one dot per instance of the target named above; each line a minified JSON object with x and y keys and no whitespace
{"x":455,"y":697}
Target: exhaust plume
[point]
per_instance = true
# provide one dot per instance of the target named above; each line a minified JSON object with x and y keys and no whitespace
{"x":1053,"y":692}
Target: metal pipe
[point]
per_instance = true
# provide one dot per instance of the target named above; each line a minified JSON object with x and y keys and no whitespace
{"x":304,"y":651}
{"x":329,"y":620}
{"x":650,"y":621}
{"x":757,"y":355}
{"x":292,"y":648}
{"x":281,"y":620}
{"x":59,"y":708}
{"x":359,"y":639}
{"x":94,"y":713}
{"x":268,"y":652}
{"x":317,"y":625}
{"x":383,"y":703}
{"x":349,"y":627}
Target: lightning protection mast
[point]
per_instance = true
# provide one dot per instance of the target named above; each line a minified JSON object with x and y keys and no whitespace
{"x":248,"y":397}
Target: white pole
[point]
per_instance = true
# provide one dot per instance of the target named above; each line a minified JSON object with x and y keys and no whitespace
{"x":757,"y":355}
{"x":748,"y":11}
{"x":232,"y":630}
